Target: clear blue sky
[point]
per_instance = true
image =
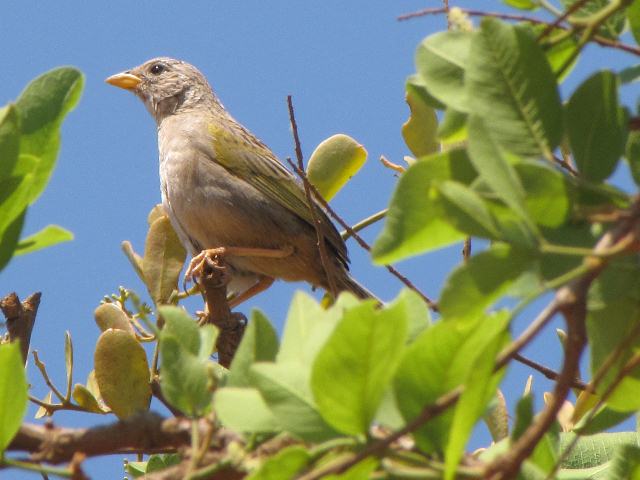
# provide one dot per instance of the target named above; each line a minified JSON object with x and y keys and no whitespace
{"x":345,"y":64}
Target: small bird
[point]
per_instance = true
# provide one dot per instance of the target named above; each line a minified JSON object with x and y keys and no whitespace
{"x":226,"y":193}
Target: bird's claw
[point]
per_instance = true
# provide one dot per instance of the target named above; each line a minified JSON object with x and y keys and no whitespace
{"x":206,"y":259}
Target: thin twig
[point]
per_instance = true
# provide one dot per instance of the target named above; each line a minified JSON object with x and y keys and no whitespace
{"x":529,"y":334}
{"x":547,"y":372}
{"x":603,"y":41}
{"x":446,"y":9}
{"x":556,"y":23}
{"x":392,"y":166}
{"x":362,"y":224}
{"x":359,"y":239}
{"x":466,"y":249}
{"x":317,"y":224}
{"x":564,"y":163}
{"x":43,"y":371}
{"x":473,"y":13}
{"x":51,"y":408}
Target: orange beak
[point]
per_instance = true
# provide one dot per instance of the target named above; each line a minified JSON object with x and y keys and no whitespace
{"x":124,"y":80}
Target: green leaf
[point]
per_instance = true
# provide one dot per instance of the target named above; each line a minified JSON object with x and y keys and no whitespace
{"x":14,"y":198}
{"x":416,"y":221}
{"x":178,"y":323}
{"x":632,"y":155}
{"x":86,"y":399}
{"x":546,"y":451}
{"x":417,"y":83}
{"x":595,"y":449}
{"x":154,"y":464}
{"x":480,"y":387}
{"x":441,"y":60}
{"x":596,"y":124}
{"x":605,"y":419}
{"x":122,"y":373}
{"x":629,"y":75}
{"x":355,"y":366}
{"x":613,"y":25}
{"x":187,"y":373}
{"x":523,"y":4}
{"x":416,"y":311}
{"x":497,"y":417}
{"x":259,"y":344}
{"x":68,"y":359}
{"x":453,"y":128}
{"x":625,"y":464}
{"x":360,"y":471}
{"x":134,"y":259}
{"x":558,"y":52}
{"x":494,"y":169}
{"x":308,"y":326}
{"x":9,"y":140}
{"x":111,"y":315}
{"x":524,"y":416}
{"x":244,"y":410}
{"x":47,"y":237}
{"x":333,"y":163}
{"x":573,"y":234}
{"x":512,"y":88}
{"x":285,"y":464}
{"x":466,"y":211}
{"x":613,"y":312}
{"x":285,"y":388}
{"x":13,"y":392}
{"x":42,"y":106}
{"x":476,"y":284}
{"x":547,"y":194}
{"x":419,"y":132}
{"x":187,"y":381}
{"x":434,"y":364}
{"x":633,"y":16}
{"x":163,"y":259}
{"x":9,"y":239}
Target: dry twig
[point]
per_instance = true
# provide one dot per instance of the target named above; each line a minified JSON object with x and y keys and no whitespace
{"x":317,"y":223}
{"x":20,"y":319}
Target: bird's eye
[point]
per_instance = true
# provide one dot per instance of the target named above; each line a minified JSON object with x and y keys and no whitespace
{"x":157,"y":68}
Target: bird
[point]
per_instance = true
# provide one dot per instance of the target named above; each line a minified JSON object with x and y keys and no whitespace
{"x":226,"y":193}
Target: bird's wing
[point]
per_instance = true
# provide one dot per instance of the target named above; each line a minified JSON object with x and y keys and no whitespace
{"x":242,"y":154}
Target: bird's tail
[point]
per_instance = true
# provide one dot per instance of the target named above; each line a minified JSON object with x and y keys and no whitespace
{"x":350,"y":284}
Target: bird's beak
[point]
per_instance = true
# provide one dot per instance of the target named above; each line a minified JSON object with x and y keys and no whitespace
{"x":124,"y":80}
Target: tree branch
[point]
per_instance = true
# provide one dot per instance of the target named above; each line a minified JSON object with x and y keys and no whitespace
{"x":231,"y":325}
{"x":571,"y":301}
{"x":20,"y":319}
{"x":142,"y":433}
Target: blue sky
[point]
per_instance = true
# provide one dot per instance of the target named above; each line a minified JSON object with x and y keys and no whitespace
{"x":344,"y":62}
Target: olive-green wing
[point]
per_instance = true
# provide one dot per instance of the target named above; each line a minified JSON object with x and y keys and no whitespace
{"x":246,"y":157}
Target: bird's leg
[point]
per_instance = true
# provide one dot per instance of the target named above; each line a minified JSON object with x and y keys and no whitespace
{"x":198,"y":262}
{"x":261,"y":285}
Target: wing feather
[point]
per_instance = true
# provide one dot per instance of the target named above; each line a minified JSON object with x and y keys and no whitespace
{"x":242,"y":154}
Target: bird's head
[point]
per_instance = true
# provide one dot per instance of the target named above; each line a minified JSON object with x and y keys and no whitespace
{"x":166,"y":86}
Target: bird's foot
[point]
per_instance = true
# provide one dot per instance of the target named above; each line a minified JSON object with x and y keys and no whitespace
{"x":213,"y":258}
{"x":206,"y":259}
